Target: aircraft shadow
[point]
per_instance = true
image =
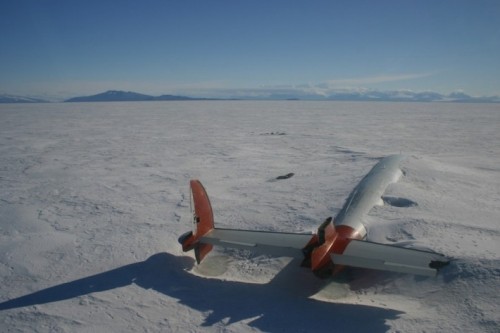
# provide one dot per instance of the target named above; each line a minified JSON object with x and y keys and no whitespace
{"x":280,"y":305}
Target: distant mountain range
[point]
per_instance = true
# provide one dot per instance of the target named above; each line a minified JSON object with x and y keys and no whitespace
{"x":286,"y":94}
{"x":411,"y":96}
{"x":382,"y":96}
{"x":129,"y":96}
{"x":341,"y":95}
{"x":20,"y":99}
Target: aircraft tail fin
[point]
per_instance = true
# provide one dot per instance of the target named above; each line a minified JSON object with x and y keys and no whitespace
{"x":203,"y":222}
{"x":390,"y":258}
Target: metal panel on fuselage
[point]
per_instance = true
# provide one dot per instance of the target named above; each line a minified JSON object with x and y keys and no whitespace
{"x":368,"y":193}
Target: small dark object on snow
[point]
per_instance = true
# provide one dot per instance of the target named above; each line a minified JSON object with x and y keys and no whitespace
{"x":274,"y":133}
{"x":436,"y":264}
{"x":289,"y":175}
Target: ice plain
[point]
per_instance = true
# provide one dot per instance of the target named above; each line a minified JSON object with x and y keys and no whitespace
{"x":93,"y":197}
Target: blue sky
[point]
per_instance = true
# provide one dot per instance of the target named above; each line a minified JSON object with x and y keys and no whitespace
{"x":59,"y":49}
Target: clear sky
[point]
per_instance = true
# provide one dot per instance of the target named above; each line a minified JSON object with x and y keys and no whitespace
{"x":64,"y":48}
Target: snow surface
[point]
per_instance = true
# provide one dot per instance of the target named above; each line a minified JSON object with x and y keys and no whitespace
{"x":93,"y":197}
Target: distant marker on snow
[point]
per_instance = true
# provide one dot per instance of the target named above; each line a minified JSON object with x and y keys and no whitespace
{"x":288,"y":175}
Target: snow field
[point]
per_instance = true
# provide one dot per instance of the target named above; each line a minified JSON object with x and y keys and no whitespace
{"x":94,"y":196}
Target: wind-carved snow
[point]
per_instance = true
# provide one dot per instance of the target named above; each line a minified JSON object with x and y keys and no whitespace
{"x":94,"y":196}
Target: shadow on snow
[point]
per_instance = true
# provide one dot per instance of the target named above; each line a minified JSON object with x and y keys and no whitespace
{"x":281,"y":304}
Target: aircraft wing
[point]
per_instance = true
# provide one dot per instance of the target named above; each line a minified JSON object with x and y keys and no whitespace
{"x":387,"y":257}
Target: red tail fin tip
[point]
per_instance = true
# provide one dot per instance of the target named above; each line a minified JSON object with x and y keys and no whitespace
{"x":203,"y":221}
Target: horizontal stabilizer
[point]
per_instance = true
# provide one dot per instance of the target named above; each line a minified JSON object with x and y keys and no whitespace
{"x":275,"y":243}
{"x":390,"y":258}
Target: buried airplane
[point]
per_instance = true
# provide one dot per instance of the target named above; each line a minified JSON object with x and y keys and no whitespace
{"x":338,"y":242}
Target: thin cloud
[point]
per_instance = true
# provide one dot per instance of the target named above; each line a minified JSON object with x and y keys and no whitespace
{"x":376,"y":79}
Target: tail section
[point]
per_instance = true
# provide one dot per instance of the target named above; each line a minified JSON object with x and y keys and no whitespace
{"x":203,"y":222}
{"x":327,"y":252}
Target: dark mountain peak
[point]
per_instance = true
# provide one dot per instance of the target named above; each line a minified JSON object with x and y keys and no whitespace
{"x":127,"y":96}
{"x":113,"y":96}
